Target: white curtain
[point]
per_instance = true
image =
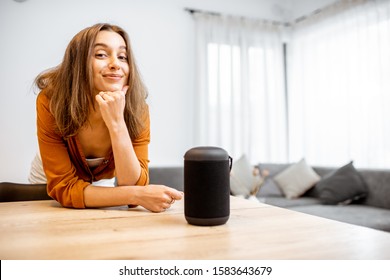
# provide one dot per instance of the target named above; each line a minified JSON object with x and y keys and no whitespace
{"x":339,"y":86}
{"x":240,"y":98}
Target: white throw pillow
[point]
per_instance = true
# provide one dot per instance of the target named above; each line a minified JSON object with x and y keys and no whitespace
{"x":296,"y":179}
{"x":241,"y":177}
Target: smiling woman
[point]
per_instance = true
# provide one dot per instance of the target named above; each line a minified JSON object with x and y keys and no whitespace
{"x":93,"y":124}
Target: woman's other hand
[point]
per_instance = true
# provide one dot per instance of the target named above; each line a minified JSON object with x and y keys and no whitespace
{"x":157,"y":198}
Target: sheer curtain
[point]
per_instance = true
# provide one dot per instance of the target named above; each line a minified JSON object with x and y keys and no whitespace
{"x":339,"y":86}
{"x":240,"y":101}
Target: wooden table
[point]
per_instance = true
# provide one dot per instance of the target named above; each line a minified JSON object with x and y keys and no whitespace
{"x":45,"y":230}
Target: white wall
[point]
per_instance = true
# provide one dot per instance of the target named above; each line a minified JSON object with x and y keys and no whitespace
{"x":305,"y":7}
{"x":35,"y":33}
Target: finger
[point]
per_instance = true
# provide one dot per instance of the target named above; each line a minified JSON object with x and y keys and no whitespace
{"x":174,"y":194}
{"x":164,"y":207}
{"x":167,"y":199}
{"x":171,"y":200}
{"x":108,"y":95}
{"x":102,"y":94}
{"x":99,"y":99}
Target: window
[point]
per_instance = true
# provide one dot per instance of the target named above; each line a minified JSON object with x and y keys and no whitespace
{"x":339,"y":88}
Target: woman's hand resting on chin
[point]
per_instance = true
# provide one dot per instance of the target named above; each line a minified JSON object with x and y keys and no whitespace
{"x":112,"y":105}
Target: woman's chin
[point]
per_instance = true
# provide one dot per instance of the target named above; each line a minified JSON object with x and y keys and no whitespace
{"x":113,"y":88}
{"x":116,"y":87}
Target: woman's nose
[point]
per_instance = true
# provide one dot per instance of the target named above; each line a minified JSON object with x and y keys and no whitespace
{"x":114,"y":63}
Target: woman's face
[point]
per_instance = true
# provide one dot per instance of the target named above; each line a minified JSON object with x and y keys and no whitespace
{"x":109,"y":62}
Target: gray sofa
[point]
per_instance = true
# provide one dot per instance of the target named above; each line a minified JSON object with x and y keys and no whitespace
{"x":372,"y":211}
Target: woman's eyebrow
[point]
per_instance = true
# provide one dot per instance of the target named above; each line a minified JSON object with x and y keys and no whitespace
{"x":106,"y":46}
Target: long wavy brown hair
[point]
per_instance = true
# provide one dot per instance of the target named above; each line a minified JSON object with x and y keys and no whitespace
{"x":69,"y":86}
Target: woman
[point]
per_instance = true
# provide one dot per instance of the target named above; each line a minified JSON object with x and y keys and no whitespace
{"x":93,"y":124}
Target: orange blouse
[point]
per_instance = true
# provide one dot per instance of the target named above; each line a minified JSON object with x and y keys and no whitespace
{"x":65,"y":165}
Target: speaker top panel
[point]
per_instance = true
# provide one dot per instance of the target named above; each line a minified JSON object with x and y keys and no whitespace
{"x":207,"y":153}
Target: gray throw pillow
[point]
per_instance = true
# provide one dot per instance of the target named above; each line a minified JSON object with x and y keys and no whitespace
{"x":343,"y":185}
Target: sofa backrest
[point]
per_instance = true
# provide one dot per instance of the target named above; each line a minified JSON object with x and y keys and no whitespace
{"x":170,"y":176}
{"x":378,"y":183}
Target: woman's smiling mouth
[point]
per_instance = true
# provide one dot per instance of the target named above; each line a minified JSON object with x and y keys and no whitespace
{"x":115,"y":77}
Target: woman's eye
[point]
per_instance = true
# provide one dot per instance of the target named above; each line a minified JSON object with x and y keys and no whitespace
{"x":122,"y":57}
{"x":100,"y":55}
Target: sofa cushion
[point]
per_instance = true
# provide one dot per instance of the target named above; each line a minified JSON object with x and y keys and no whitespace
{"x":241,"y":177}
{"x":343,"y":185}
{"x":243,"y":180}
{"x":288,"y":203}
{"x":357,"y":214}
{"x":296,"y":179}
{"x":270,"y":188}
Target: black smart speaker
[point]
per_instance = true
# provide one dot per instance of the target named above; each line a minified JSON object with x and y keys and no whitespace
{"x":207,"y":186}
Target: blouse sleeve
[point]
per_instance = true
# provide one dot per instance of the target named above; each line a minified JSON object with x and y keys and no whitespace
{"x":63,"y":184}
{"x":140,"y":145}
